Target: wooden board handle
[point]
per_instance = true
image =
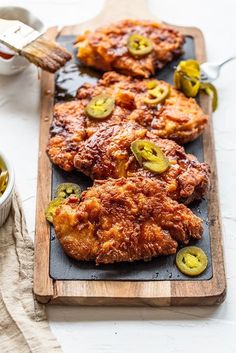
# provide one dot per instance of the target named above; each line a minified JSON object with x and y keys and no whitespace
{"x":125,"y":9}
{"x":114,"y":10}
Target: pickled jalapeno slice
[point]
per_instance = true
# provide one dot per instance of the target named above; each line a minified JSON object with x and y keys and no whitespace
{"x":150,"y":156}
{"x":52,"y":207}
{"x":187,"y":77}
{"x":157,"y":94}
{"x":190,"y":67}
{"x":151,"y":84}
{"x":139,"y":45}
{"x":65,"y":190}
{"x":191,"y":260}
{"x":156,"y":167}
{"x":190,"y":87}
{"x":3,"y":178}
{"x":212,"y":92}
{"x":100,"y":106}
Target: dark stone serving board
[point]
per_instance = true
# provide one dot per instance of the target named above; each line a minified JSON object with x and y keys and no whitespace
{"x":161,"y":268}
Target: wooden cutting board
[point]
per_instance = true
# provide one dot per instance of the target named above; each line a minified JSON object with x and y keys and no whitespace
{"x":108,"y":292}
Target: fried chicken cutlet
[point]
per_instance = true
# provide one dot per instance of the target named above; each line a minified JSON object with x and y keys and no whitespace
{"x":111,"y":48}
{"x":66,"y":132}
{"x":124,"y":220}
{"x":71,"y":125}
{"x":107,"y":154}
{"x":178,"y":117}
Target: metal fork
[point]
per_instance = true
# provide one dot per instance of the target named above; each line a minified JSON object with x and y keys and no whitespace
{"x":211,"y":71}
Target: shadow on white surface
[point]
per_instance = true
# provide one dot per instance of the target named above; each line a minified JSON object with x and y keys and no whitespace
{"x":81,"y":314}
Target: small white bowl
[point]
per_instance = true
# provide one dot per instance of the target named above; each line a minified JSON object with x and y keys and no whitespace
{"x":17,"y":63}
{"x":6,"y":198}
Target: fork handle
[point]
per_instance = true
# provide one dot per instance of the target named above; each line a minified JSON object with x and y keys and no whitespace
{"x":226,"y":60}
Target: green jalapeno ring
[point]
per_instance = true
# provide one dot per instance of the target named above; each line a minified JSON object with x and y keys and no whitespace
{"x":190,"y":68}
{"x":156,"y":167}
{"x":52,"y":207}
{"x":142,"y":149}
{"x":151,"y":84}
{"x":3,"y":179}
{"x":191,"y":260}
{"x":100,"y":106}
{"x":149,"y":156}
{"x":210,"y":89}
{"x":177,"y":79}
{"x":189,"y":85}
{"x":187,"y":78}
{"x":4,"y":176}
{"x":159,"y":92}
{"x":139,"y":45}
{"x":65,"y":190}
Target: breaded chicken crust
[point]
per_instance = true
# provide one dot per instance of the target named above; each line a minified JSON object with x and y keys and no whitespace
{"x":178,"y":118}
{"x":124,"y":220}
{"x":106,"y":48}
{"x":71,"y":125}
{"x":107,"y":154}
{"x":66,"y":132}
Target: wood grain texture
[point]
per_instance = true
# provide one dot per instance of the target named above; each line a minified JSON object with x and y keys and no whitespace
{"x":43,"y":284}
{"x":151,"y":293}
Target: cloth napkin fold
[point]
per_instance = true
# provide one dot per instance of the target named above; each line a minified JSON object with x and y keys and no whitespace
{"x":23,"y":324}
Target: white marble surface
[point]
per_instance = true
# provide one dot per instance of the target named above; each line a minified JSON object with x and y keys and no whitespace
{"x":120,"y":330}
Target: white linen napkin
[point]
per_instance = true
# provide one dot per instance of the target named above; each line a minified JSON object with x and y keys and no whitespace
{"x":23,"y":324}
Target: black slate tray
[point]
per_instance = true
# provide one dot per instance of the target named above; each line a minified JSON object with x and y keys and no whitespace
{"x":162,"y":268}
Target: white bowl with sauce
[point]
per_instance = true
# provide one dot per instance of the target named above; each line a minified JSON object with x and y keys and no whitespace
{"x":6,"y":198}
{"x":10,"y":62}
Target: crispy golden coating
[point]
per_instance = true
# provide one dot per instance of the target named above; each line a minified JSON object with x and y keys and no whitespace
{"x":123,"y":106}
{"x":178,"y":118}
{"x":124,"y":220}
{"x":67,"y":131}
{"x":107,"y":154}
{"x":71,"y":125}
{"x":106,"y":48}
